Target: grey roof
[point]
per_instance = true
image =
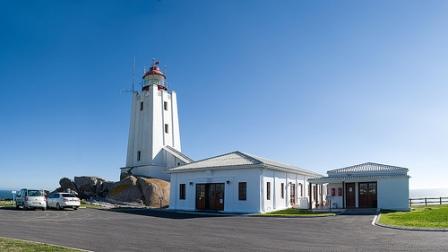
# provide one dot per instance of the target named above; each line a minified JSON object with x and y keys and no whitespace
{"x":358,"y":172}
{"x":368,"y":168}
{"x":238,"y":160}
{"x":178,"y":154}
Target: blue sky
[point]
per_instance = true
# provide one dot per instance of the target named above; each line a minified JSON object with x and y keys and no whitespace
{"x":318,"y":84}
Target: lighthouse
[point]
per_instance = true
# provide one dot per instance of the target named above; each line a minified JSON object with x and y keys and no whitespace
{"x":154,"y":135}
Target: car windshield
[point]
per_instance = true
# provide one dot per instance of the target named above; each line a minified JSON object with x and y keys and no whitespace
{"x":35,"y":193}
{"x":67,"y":195}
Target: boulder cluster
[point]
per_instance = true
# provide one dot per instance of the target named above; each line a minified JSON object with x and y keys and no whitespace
{"x":151,"y":192}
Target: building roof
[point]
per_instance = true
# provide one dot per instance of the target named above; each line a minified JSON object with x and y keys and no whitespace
{"x":177,"y":154}
{"x":361,"y":171}
{"x":154,"y":70}
{"x":238,"y":160}
{"x":368,"y":168}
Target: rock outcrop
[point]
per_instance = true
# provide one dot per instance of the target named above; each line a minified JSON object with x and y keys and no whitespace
{"x":126,"y":190}
{"x":151,"y":192}
{"x":156,"y":192}
{"x":104,"y":189}
{"x":66,"y":185}
{"x":87,"y":186}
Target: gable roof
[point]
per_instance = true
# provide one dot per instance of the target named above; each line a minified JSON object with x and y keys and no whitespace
{"x":238,"y":160}
{"x":177,"y":154}
{"x":363,"y":171}
{"x":368,"y":168}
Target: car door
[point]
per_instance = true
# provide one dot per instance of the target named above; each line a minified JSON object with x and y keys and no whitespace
{"x":18,"y":197}
{"x":54,"y":199}
{"x":22,"y":197}
{"x":50,"y":201}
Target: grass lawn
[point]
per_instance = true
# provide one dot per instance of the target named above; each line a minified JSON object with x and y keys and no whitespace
{"x":87,"y":204}
{"x":7,"y":203}
{"x":291,"y":212}
{"x":12,"y":245}
{"x":430,"y":217}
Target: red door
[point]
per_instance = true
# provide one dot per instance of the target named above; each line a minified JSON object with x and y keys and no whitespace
{"x":200,"y":197}
{"x":350,"y":200}
{"x":210,"y":196}
{"x":367,"y":195}
{"x":292,"y":197}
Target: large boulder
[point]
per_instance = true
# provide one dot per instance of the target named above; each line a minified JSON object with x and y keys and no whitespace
{"x":156,"y":192}
{"x":67,"y":185}
{"x":87,"y":186}
{"x":104,"y":188}
{"x":126,"y":190}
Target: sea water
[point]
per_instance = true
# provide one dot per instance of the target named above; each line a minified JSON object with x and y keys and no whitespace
{"x":5,"y":194}
{"x":428,"y":193}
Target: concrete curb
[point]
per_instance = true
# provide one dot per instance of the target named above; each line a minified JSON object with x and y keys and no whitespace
{"x":376,"y":222}
{"x":44,"y":243}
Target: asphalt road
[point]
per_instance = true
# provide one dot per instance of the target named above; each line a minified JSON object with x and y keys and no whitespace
{"x":146,"y":230}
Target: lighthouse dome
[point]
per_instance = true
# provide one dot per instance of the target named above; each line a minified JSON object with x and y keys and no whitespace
{"x":154,"y":76}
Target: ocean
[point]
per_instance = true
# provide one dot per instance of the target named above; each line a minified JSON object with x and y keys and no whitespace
{"x":428,"y":193}
{"x":5,"y":194}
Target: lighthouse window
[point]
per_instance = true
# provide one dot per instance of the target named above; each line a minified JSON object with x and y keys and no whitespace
{"x":165,"y":105}
{"x":166,"y":128}
{"x":141,"y":106}
{"x":139,"y":155}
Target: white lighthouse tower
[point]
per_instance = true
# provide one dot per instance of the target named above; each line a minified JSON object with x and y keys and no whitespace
{"x":154,"y":138}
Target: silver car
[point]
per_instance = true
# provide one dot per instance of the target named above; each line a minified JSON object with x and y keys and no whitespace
{"x":63,"y":200}
{"x":31,"y":199}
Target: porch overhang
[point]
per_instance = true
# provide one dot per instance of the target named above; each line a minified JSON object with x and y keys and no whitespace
{"x":348,"y":178}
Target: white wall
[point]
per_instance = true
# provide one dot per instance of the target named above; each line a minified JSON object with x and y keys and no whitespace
{"x":276,"y":178}
{"x":147,"y":132}
{"x":393,"y":193}
{"x":159,"y":171}
{"x":256,"y":179}
{"x":231,"y":202}
{"x":336,"y":200}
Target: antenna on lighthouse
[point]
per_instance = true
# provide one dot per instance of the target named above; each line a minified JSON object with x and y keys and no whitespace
{"x":132,"y":89}
{"x":133,"y":76}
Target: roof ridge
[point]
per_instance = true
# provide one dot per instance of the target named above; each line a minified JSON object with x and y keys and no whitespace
{"x":367,"y":166}
{"x":249,"y":157}
{"x":178,"y":152}
{"x":278,"y":164}
{"x":205,"y":159}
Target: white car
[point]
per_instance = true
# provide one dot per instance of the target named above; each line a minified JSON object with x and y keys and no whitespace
{"x":63,"y":200}
{"x":31,"y":199}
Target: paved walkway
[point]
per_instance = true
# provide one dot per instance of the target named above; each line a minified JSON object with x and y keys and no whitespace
{"x":146,"y":230}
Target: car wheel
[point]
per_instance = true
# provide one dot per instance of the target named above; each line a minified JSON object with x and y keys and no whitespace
{"x":44,"y":208}
{"x":75,"y":208}
{"x":58,"y":206}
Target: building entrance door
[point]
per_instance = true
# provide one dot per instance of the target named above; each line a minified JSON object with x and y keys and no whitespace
{"x":292,"y":195}
{"x":350,"y":196}
{"x":210,"y":196}
{"x":367,"y":195}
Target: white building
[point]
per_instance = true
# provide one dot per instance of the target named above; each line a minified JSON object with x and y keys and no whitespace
{"x":154,"y":137}
{"x":238,"y":182}
{"x":367,"y":185}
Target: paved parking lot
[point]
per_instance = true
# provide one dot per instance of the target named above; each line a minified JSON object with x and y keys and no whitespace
{"x":146,"y":230}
